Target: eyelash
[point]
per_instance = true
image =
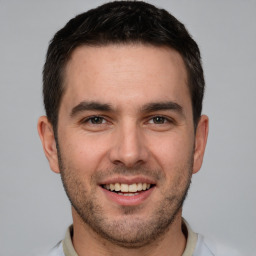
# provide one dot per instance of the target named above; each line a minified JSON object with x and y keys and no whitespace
{"x":165,"y":119}
{"x":90,"y":118}
{"x":103,"y":119}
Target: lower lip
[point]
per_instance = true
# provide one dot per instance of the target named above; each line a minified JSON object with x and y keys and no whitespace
{"x":128,"y":200}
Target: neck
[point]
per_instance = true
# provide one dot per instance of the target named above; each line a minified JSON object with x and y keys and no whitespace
{"x":87,"y":242}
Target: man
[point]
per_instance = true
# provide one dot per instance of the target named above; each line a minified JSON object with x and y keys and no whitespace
{"x":123,"y":88}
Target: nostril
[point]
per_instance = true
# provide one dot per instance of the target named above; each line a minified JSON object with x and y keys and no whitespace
{"x":118,"y":163}
{"x":129,"y":164}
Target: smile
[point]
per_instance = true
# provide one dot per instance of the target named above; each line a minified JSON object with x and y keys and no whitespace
{"x":126,"y":189}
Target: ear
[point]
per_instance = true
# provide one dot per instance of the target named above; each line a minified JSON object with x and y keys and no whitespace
{"x":45,"y":131}
{"x":200,"y":142}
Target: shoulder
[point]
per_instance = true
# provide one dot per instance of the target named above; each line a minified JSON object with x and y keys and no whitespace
{"x":207,"y":247}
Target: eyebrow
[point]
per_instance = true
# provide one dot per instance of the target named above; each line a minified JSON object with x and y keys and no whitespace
{"x":150,"y":107}
{"x":170,"y":105}
{"x":85,"y":106}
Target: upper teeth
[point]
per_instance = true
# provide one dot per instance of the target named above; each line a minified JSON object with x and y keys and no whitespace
{"x":127,"y":188}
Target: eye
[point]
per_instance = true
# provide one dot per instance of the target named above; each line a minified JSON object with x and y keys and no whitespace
{"x":95,"y":120}
{"x":159,"y":120}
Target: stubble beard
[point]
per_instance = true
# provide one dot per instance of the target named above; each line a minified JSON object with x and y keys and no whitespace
{"x":130,"y":231}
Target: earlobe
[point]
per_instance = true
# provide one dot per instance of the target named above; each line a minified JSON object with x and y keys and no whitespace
{"x":200,"y":142}
{"x":45,"y":131}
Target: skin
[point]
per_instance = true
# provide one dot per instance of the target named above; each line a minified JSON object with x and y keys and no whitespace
{"x":129,"y":141}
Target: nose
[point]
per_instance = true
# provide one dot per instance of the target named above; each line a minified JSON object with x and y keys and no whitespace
{"x":129,"y":147}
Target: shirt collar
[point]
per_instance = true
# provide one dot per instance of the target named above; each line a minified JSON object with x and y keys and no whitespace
{"x":190,"y":246}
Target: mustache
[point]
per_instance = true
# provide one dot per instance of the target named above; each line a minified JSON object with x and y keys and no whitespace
{"x":154,"y":174}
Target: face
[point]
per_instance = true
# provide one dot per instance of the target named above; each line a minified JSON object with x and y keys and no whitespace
{"x":126,"y":141}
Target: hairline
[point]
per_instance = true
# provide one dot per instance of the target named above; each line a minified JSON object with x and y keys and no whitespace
{"x":101,"y":44}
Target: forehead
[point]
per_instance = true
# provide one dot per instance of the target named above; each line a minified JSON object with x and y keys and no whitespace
{"x":124,"y":73}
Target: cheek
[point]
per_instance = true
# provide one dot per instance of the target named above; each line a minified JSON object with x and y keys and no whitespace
{"x":172,"y":152}
{"x":82,"y":152}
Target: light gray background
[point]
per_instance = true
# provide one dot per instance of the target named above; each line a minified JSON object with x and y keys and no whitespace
{"x":34,"y":210}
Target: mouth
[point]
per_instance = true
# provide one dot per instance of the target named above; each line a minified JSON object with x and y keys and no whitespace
{"x":123,"y":189}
